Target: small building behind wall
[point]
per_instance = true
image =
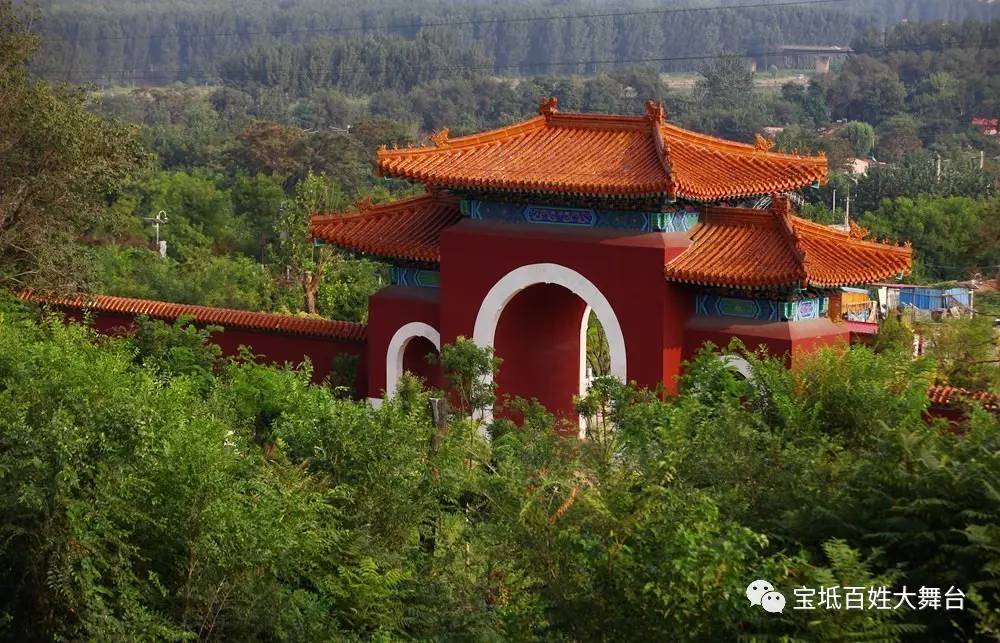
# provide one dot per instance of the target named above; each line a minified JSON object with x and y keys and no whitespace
{"x":900,"y":296}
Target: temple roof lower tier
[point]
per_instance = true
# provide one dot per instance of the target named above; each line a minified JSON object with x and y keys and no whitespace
{"x":758,"y":249}
{"x":599,"y":155}
{"x":730,"y":247}
{"x":408,"y":229}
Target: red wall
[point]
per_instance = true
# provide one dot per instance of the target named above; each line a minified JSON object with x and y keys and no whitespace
{"x":780,"y":338}
{"x":272,"y":347}
{"x":388,"y":310}
{"x":415,"y":361}
{"x":627,"y":267}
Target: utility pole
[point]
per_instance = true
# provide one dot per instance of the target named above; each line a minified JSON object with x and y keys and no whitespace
{"x":834,"y":209}
{"x":157,"y":221}
{"x":847,"y":214}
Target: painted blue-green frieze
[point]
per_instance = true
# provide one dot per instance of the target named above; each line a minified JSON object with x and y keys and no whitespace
{"x":680,"y":220}
{"x":805,"y":309}
{"x":707,"y":304}
{"x":403,"y":276}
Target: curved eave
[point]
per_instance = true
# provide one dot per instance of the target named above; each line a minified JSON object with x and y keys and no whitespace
{"x":406,"y":230}
{"x":383,"y":254}
{"x":760,"y":283}
{"x":714,"y":196}
{"x":399,"y":258}
{"x":784,"y":281}
{"x":667,"y":192}
{"x":650,"y":191}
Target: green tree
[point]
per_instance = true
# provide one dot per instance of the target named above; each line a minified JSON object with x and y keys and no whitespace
{"x":810,"y":101}
{"x":966,"y":352}
{"x":267,"y":147}
{"x":471,"y":374}
{"x":797,"y":139}
{"x":861,"y":136}
{"x":937,"y":101}
{"x":346,"y":287}
{"x":727,"y":102}
{"x":150,"y":491}
{"x":726,"y":84}
{"x":866,"y":90}
{"x":200,"y":213}
{"x":60,"y":163}
{"x":256,"y":201}
{"x":898,"y":137}
{"x":158,"y":515}
{"x":295,"y":254}
{"x":229,"y":281}
{"x":952,"y":236}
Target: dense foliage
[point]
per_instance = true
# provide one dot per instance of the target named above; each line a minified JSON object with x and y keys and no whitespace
{"x":150,"y":490}
{"x":954,"y":236}
{"x":58,"y":161}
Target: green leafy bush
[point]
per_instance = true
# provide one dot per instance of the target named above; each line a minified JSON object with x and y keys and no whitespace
{"x":151,"y":490}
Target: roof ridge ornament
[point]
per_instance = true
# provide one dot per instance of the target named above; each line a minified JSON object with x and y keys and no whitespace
{"x":548,"y":106}
{"x":781,"y":205}
{"x":762,"y":144}
{"x":781,"y":208}
{"x":857,"y":231}
{"x":441,"y":138}
{"x":655,"y":111}
{"x":364,"y":204}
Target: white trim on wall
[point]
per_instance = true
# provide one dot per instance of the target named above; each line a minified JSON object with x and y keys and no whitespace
{"x":397,"y":348}
{"x":550,"y":273}
{"x":584,"y":383}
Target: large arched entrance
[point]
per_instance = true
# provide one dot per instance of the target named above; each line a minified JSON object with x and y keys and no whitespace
{"x":535,"y":318}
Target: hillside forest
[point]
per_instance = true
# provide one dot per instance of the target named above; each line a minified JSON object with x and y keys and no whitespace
{"x":149,"y":42}
{"x":238,"y":166}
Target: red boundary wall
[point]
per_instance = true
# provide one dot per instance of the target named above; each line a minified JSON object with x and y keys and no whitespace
{"x":273,"y":338}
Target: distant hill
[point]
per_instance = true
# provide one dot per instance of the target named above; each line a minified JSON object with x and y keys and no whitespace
{"x":153,"y":42}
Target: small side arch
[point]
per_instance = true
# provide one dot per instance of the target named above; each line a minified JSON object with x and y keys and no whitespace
{"x":397,"y":349}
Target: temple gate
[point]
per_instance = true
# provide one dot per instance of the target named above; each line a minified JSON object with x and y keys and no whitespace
{"x":525,"y":230}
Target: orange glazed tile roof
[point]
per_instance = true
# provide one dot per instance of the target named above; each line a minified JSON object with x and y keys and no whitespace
{"x":225,"y":317}
{"x":406,"y":229}
{"x":945,"y":395}
{"x":745,"y":248}
{"x":605,"y":156}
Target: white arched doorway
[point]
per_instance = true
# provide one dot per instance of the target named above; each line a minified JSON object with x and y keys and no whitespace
{"x":504,"y":290}
{"x":397,"y":349}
